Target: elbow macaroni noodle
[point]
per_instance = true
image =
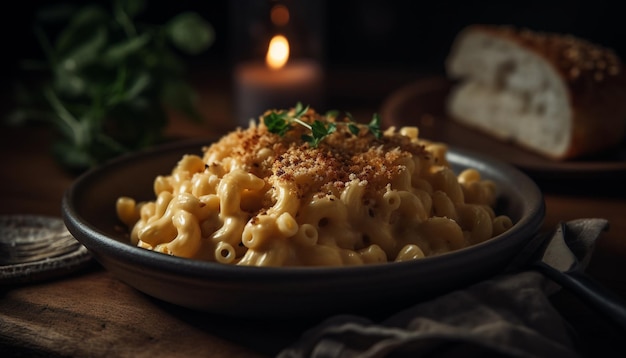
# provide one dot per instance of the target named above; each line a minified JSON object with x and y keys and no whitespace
{"x":257,"y":198}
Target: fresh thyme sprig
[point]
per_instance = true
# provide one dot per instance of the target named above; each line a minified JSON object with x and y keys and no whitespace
{"x":281,"y":122}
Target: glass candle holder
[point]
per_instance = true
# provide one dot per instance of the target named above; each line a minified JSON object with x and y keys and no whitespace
{"x":277,"y":56}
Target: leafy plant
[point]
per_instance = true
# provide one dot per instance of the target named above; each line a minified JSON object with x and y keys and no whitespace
{"x":282,"y":121}
{"x":109,"y":80}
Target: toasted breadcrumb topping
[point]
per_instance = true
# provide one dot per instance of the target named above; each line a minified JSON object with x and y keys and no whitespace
{"x":340,"y":158}
{"x":576,"y":58}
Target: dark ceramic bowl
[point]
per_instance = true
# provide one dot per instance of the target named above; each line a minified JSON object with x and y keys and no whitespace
{"x":261,"y":292}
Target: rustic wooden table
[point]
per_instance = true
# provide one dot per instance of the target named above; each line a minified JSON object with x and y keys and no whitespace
{"x":90,"y":313}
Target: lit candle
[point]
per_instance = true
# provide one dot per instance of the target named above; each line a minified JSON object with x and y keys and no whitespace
{"x":279,"y":83}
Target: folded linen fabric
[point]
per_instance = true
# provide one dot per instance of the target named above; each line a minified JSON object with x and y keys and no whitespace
{"x":509,"y":315}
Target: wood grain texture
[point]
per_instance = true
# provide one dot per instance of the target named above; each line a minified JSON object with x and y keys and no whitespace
{"x":95,"y":315}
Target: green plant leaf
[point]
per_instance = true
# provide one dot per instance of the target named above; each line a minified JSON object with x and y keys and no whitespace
{"x":163,"y":62}
{"x":374,"y":126}
{"x":277,"y":123}
{"x":124,"y":11}
{"x":120,"y":51}
{"x":332,"y":114}
{"x":109,"y":80}
{"x":80,"y":29}
{"x":131,"y":7}
{"x":69,"y":84}
{"x":139,"y":84}
{"x":190,"y":33}
{"x":85,"y":52}
{"x":354,"y":129}
{"x":300,"y":110}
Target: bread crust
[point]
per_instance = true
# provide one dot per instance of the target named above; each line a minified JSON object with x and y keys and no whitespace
{"x":592,"y":75}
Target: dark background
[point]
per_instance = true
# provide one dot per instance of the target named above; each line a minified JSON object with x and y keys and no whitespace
{"x":369,"y":33}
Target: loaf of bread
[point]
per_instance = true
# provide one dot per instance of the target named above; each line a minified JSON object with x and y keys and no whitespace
{"x":557,"y":95}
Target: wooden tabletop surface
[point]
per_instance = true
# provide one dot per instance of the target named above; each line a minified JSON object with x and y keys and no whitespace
{"x":90,"y":313}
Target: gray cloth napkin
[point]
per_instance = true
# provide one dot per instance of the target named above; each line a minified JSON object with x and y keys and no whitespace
{"x":509,"y":315}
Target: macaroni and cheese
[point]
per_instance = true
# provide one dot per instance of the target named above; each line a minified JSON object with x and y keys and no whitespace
{"x":264,"y":199}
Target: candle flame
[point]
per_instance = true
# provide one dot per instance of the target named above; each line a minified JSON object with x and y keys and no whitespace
{"x":278,"y":52}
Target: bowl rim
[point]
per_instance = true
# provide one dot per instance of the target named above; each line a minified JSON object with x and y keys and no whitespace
{"x":100,"y":243}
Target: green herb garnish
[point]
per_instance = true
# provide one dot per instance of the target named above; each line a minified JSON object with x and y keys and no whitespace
{"x":108,"y":80}
{"x":374,"y":126}
{"x":319,"y":131}
{"x":282,"y":121}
